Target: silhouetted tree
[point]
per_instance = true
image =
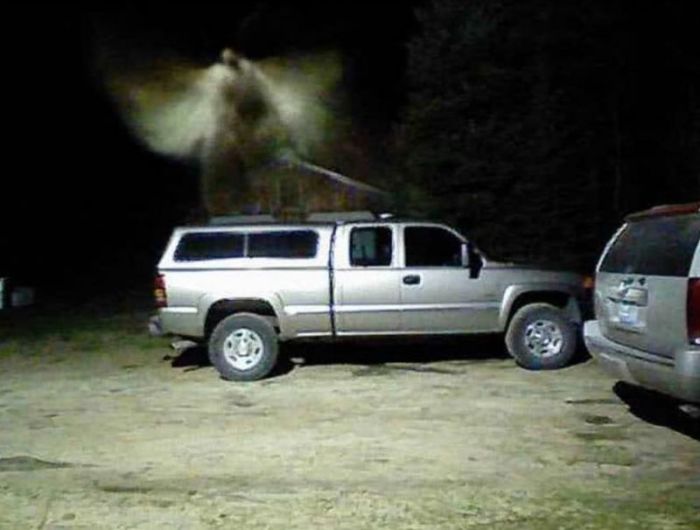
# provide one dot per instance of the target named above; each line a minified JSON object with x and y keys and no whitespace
{"x":525,"y":122}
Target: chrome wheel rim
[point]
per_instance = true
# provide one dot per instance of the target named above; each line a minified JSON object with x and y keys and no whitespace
{"x":544,"y":338}
{"x":243,"y":349}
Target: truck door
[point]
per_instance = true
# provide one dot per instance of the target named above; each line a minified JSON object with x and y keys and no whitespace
{"x":439,"y":294}
{"x":366,"y":280}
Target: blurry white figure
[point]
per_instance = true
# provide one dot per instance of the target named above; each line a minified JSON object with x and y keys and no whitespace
{"x":232,"y":115}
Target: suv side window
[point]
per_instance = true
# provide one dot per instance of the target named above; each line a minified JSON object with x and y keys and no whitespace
{"x":371,"y":246}
{"x":428,"y":246}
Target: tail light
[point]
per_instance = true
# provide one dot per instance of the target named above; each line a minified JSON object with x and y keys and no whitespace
{"x":693,"y":310}
{"x":159,"y":291}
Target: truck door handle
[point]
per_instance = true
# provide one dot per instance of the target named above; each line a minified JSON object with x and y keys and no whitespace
{"x":411,"y":279}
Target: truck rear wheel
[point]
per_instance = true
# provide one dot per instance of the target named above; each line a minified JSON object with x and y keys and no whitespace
{"x":541,"y":337}
{"x":243,"y":347}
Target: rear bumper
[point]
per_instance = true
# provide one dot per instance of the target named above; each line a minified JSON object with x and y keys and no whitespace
{"x":678,"y":377}
{"x":155,"y":329}
{"x":182,"y":321}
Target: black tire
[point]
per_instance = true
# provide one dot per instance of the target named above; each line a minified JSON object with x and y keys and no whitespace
{"x":243,"y":347}
{"x":541,"y":337}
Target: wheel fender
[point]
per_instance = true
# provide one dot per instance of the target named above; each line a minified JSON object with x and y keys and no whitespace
{"x":513,"y":292}
{"x":272,"y":299}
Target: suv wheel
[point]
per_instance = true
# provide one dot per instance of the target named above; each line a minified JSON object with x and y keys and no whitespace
{"x":541,"y":337}
{"x":243,"y":347}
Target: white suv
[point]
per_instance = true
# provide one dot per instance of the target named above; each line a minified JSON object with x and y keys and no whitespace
{"x":647,"y":302}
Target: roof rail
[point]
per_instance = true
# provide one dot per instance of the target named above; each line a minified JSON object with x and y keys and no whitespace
{"x":313,"y":217}
{"x":665,"y":210}
{"x":223,"y":220}
{"x":329,"y":217}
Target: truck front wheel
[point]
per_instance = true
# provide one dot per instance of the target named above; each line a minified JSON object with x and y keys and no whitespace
{"x":243,"y":347}
{"x":541,"y":337}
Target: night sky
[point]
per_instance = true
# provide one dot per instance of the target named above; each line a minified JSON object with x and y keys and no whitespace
{"x":85,"y":206}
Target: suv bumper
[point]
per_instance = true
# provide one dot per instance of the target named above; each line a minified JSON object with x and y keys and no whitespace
{"x":678,"y":377}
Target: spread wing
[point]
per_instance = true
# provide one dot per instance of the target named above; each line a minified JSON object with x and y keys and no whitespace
{"x":304,"y":92}
{"x":269,"y":106}
{"x":167,"y":106}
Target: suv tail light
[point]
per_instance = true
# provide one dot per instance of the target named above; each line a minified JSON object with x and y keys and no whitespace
{"x":159,"y":291}
{"x":693,"y":310}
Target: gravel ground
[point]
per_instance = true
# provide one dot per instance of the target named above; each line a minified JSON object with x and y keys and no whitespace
{"x":103,"y":427}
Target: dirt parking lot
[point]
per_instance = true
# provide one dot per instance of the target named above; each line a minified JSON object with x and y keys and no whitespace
{"x":104,"y":427}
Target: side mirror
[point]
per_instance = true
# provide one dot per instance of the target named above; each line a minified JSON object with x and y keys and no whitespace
{"x":471,"y":259}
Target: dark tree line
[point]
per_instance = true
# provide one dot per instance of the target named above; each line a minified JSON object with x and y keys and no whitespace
{"x":537,"y":125}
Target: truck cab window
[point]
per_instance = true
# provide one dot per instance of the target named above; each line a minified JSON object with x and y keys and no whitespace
{"x":428,"y":246}
{"x":371,"y":246}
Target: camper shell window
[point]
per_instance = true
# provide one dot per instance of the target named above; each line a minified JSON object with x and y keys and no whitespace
{"x":286,"y":244}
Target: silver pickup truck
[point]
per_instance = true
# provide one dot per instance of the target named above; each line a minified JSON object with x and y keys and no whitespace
{"x":244,"y":288}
